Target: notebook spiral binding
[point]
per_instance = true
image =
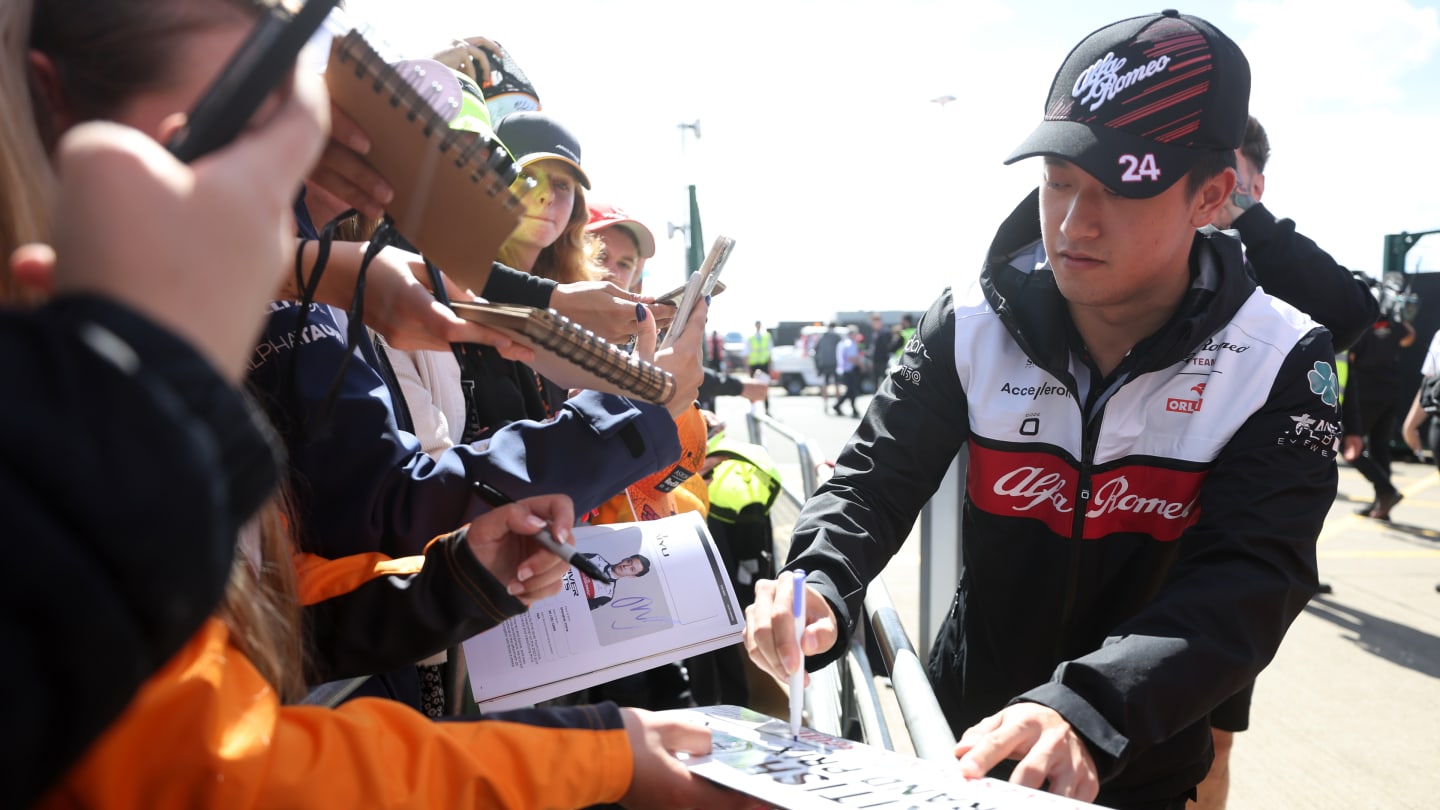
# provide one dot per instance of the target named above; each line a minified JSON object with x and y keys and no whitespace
{"x":600,"y":357}
{"x":497,"y":170}
{"x":565,"y":339}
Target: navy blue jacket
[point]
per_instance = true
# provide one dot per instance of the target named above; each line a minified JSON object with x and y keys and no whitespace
{"x":362,"y":484}
{"x":126,"y":466}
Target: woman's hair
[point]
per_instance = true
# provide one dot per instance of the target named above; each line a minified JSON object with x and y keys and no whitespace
{"x":260,"y":606}
{"x":106,"y":53}
{"x":572,"y":257}
{"x":27,"y":185}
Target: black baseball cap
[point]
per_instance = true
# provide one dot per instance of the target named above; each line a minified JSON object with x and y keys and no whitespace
{"x":1138,"y":102}
{"x":535,"y":136}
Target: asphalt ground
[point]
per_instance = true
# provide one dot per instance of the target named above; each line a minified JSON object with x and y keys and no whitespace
{"x":1348,"y":714}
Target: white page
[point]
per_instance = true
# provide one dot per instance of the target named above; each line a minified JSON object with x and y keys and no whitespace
{"x":754,"y":754}
{"x":683,"y":605}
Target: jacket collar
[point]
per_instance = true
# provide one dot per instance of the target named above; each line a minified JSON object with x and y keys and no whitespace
{"x":1020,"y":287}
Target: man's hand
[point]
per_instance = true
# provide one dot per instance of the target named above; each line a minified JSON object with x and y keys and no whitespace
{"x":1352,"y":446}
{"x":1248,"y":184}
{"x":1047,"y":748}
{"x":659,"y":780}
{"x":770,"y":627}
{"x":499,"y":539}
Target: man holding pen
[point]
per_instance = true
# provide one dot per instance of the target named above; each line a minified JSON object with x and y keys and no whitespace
{"x":1151,"y":446}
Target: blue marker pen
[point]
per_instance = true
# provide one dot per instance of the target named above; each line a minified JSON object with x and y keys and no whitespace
{"x":797,"y":678}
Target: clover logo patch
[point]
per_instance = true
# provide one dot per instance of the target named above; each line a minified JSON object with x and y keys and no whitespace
{"x":1324,"y":383}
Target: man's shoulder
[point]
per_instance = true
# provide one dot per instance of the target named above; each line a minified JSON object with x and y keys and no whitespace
{"x":1267,"y":317}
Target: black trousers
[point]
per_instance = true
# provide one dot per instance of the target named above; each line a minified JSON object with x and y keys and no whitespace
{"x":1378,"y":426}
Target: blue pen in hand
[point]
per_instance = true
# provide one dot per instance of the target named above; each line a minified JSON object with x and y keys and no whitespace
{"x":797,"y":678}
{"x":497,"y":499}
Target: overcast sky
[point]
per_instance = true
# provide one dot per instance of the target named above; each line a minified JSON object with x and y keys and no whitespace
{"x":846,"y":187}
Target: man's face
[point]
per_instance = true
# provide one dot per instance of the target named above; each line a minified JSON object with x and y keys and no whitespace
{"x":1111,"y":251}
{"x":620,"y":256}
{"x":628,"y":567}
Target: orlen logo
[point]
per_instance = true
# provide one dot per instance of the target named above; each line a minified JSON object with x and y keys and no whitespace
{"x":1182,"y":405}
{"x":1177,"y":405}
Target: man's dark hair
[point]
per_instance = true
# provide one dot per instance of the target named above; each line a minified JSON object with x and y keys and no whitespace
{"x":644,"y":562}
{"x":1256,"y":146}
{"x":1212,"y":162}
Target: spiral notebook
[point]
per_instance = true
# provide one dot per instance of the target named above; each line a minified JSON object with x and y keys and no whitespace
{"x":572,"y":355}
{"x":452,"y":196}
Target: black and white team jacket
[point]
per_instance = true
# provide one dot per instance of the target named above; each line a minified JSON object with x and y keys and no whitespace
{"x":1133,"y":549}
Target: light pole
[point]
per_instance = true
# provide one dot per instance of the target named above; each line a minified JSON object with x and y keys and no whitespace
{"x":694,"y":253}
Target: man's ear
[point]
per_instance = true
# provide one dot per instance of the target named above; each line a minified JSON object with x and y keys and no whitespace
{"x":1211,"y":197}
{"x":1257,"y":186}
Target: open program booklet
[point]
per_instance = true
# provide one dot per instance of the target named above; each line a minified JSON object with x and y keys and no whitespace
{"x":754,"y":754}
{"x":671,"y":599}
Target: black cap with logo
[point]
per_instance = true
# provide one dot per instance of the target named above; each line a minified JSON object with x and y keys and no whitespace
{"x":534,"y":136}
{"x":1137,"y":102}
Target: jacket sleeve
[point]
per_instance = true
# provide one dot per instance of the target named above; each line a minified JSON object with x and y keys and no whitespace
{"x":716,"y":384}
{"x":1244,"y":571}
{"x":239,"y":748}
{"x":368,"y":613}
{"x":128,"y":465}
{"x":897,"y":458}
{"x":507,"y":285}
{"x":1351,"y":416}
{"x":1291,"y":267}
{"x":364,"y":485}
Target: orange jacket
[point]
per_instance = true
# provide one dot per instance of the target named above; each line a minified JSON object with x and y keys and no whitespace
{"x":676,"y":488}
{"x":207,"y":731}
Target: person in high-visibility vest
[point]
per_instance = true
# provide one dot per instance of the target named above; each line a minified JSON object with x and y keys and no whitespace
{"x":759,"y":345}
{"x":758,"y":355}
{"x":907,"y":331}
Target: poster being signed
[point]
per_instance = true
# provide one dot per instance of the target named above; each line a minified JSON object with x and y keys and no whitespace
{"x":755,"y":754}
{"x":670,"y":599}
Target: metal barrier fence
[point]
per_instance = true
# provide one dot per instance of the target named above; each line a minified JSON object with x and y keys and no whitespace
{"x":842,"y":698}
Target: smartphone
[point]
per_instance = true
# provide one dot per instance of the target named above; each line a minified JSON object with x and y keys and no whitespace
{"x":701,"y":284}
{"x":673,"y":297}
{"x":264,"y":59}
